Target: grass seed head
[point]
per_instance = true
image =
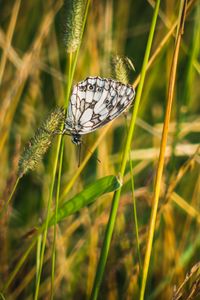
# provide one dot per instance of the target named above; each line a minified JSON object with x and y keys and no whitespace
{"x":73,"y":15}
{"x":39,"y":144}
{"x":120,"y":66}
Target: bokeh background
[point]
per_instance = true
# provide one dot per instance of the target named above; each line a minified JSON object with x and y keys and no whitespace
{"x":33,"y":78}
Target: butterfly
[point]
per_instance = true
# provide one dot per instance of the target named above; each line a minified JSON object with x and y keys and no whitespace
{"x":95,"y":102}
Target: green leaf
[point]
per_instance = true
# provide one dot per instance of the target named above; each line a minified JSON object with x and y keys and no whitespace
{"x":87,"y":196}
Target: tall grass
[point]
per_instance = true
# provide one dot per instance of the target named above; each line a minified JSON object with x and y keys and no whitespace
{"x":37,"y":70}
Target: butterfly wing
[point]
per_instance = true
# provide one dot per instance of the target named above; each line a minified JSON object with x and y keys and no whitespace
{"x":95,"y":102}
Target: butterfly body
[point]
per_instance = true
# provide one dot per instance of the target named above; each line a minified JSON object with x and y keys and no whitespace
{"x":94,"y":102}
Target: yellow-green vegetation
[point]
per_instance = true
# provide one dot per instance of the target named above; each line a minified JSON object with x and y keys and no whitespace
{"x":125,"y":223}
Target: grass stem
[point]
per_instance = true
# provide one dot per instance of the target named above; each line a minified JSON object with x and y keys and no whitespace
{"x":135,"y":215}
{"x":53,"y":261}
{"x":71,"y":70}
{"x":161,"y":159}
{"x":116,"y":197}
{"x":47,"y":218}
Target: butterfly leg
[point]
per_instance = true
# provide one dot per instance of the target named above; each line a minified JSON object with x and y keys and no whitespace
{"x":61,"y":132}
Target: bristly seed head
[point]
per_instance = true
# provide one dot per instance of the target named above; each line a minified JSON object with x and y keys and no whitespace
{"x":39,"y":144}
{"x":73,"y":16}
{"x":121,"y":66}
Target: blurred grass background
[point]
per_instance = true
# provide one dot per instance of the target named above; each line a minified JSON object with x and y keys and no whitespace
{"x":33,"y":80}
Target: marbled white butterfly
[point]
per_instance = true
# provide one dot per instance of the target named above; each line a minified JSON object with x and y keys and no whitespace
{"x":94,"y":102}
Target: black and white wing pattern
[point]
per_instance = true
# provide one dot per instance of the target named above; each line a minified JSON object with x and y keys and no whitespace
{"x":96,"y":101}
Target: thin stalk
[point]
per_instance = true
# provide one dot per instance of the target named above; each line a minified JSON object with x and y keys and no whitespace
{"x":38,"y":251}
{"x":161,"y":159}
{"x":55,"y":223}
{"x":78,"y":49}
{"x":135,"y":211}
{"x":135,"y":215}
{"x":69,"y":80}
{"x":10,"y":197}
{"x":47,"y":217}
{"x":53,"y":261}
{"x":71,"y":70}
{"x":116,"y":197}
{"x":73,"y":66}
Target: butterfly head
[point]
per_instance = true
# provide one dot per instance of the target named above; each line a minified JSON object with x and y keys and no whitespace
{"x":76,"y":139}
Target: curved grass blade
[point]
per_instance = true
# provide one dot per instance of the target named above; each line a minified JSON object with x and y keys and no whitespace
{"x":87,"y":196}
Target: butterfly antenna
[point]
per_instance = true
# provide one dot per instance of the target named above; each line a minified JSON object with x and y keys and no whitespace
{"x":97,"y":159}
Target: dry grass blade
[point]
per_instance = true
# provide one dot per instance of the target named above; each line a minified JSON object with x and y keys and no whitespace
{"x":160,"y":167}
{"x":9,"y":37}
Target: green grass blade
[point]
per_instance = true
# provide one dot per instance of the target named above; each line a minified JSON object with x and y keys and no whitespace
{"x":87,"y":196}
{"x":115,"y":203}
